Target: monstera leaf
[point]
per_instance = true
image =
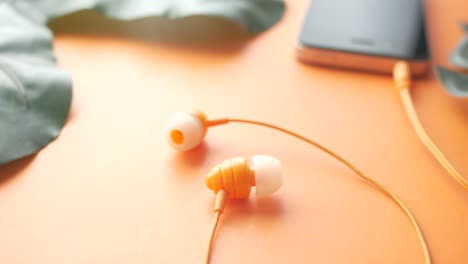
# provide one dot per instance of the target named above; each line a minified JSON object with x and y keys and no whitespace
{"x":35,"y":94}
{"x":454,"y":82}
{"x":459,"y":55}
{"x":254,"y":15}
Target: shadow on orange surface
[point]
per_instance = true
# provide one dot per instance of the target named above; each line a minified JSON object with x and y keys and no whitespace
{"x":12,"y":169}
{"x":185,"y":162}
{"x":268,"y":209}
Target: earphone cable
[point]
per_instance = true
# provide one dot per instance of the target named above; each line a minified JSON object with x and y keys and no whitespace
{"x":220,"y":203}
{"x":214,"y":226}
{"x":402,"y":77}
{"x":379,"y":186}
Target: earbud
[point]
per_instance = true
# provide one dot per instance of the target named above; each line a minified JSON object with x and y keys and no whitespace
{"x":185,"y":131}
{"x":236,"y":177}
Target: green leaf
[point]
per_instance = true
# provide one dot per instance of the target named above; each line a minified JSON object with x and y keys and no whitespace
{"x":454,"y":82}
{"x":253,"y":15}
{"x":459,"y":55}
{"x":35,"y":94}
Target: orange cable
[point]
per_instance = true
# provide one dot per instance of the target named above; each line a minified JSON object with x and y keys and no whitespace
{"x":379,"y":186}
{"x":212,"y":234}
{"x":402,"y":78}
{"x":220,"y":203}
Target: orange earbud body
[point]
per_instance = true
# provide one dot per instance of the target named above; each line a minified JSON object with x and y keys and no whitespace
{"x":234,"y":176}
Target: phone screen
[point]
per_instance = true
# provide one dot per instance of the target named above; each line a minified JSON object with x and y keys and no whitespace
{"x":391,"y":28}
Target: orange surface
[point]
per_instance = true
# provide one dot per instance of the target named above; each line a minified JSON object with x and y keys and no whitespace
{"x":110,"y":190}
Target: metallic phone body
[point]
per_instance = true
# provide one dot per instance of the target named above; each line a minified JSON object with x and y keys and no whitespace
{"x":366,"y":35}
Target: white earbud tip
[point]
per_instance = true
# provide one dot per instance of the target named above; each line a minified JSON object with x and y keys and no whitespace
{"x":268,"y":175}
{"x":184,"y":131}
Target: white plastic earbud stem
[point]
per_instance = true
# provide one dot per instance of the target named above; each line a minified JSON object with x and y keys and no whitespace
{"x":189,"y":127}
{"x":268,"y":175}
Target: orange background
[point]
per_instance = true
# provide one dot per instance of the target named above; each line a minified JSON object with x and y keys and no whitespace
{"x":110,"y":190}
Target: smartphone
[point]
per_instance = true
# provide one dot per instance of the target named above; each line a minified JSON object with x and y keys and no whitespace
{"x":368,"y":35}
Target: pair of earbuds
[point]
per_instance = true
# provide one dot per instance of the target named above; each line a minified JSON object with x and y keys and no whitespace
{"x":185,"y":131}
{"x":235,"y":178}
{"x":232,"y":178}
